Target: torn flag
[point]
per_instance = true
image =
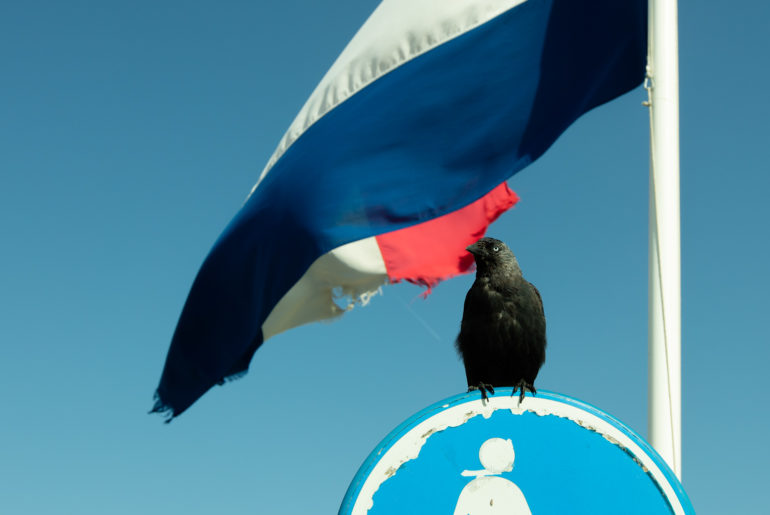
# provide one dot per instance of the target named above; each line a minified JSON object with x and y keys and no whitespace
{"x":427,"y":111}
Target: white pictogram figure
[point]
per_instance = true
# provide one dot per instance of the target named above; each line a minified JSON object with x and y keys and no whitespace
{"x":488,"y":493}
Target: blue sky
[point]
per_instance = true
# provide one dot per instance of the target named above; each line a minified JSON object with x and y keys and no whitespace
{"x":132,"y":132}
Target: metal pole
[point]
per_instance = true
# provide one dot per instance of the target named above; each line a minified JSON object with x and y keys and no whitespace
{"x":664,"y":421}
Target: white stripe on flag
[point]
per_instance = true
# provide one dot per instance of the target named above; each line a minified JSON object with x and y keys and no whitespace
{"x":348,"y":274}
{"x":395,"y":33}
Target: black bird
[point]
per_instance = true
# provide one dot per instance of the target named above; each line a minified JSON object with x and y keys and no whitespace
{"x":502,"y":335}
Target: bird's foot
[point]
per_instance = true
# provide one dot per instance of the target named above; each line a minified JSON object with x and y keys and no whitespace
{"x":483,"y":388}
{"x":523,"y":386}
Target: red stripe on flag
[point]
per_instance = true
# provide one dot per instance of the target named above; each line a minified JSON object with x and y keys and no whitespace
{"x":429,"y":252}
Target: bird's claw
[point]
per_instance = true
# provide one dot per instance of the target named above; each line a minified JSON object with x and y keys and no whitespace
{"x":523,"y":386}
{"x":483,"y":388}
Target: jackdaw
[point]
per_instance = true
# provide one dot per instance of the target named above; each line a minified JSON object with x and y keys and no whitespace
{"x":502,"y":335}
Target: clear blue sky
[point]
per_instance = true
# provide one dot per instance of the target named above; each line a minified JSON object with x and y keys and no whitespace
{"x":131,"y":132}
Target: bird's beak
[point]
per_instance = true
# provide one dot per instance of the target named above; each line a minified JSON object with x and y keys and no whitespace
{"x":474,"y":249}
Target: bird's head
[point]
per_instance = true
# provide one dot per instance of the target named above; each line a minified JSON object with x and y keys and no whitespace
{"x":491,"y":254}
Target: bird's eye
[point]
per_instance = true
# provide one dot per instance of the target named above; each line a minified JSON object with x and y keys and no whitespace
{"x":496,"y":248}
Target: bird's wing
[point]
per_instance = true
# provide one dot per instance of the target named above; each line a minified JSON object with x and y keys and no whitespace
{"x":539,"y":298}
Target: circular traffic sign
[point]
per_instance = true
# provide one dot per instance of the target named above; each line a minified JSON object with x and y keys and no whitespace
{"x":549,"y":454}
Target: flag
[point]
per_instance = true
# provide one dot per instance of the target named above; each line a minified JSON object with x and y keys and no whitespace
{"x":407,"y":140}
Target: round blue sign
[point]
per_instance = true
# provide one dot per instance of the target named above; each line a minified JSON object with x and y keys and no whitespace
{"x":551,"y":454}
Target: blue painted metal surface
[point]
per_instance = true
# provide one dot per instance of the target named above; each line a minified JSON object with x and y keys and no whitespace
{"x":566,"y":457}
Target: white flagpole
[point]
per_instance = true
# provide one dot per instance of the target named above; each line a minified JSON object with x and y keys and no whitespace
{"x":665,"y":406}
